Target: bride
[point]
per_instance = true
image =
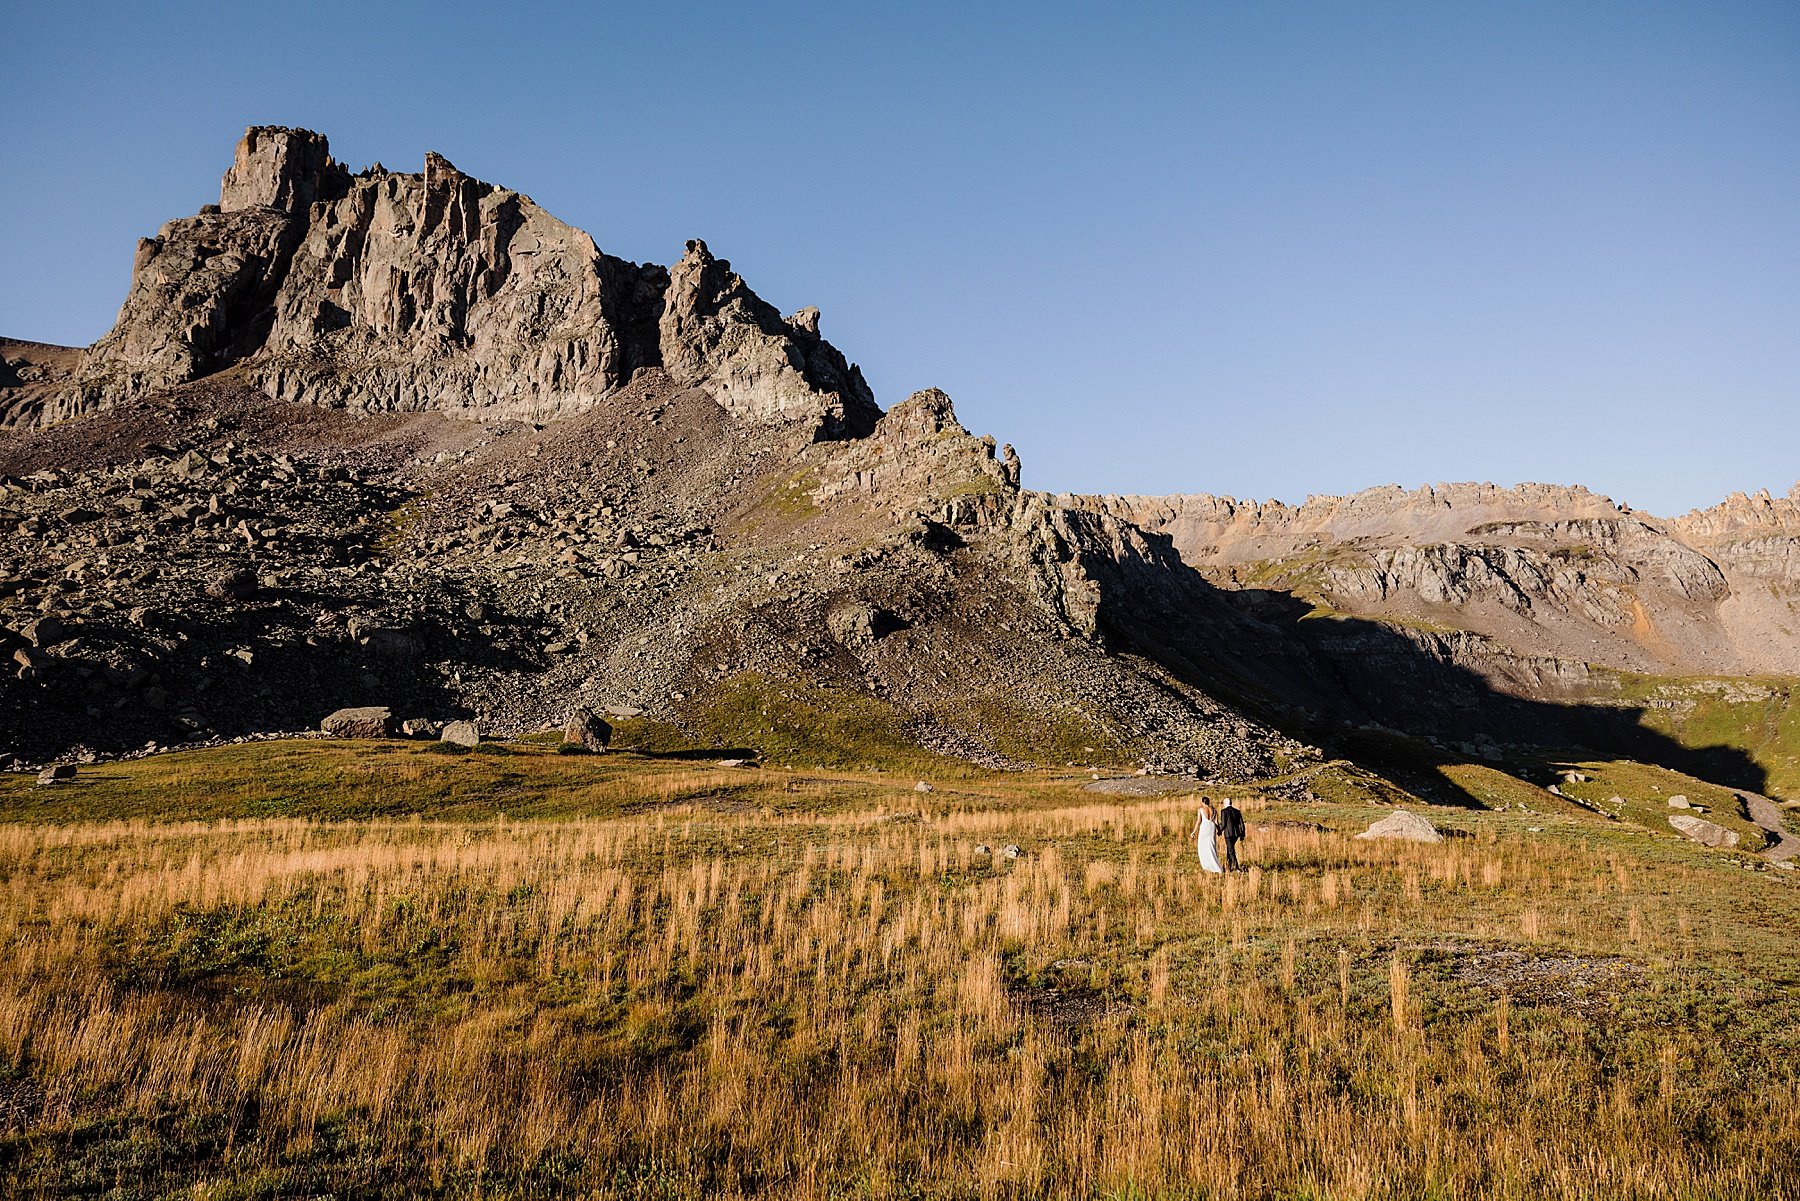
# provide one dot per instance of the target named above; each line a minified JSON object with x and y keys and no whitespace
{"x":1206,"y":840}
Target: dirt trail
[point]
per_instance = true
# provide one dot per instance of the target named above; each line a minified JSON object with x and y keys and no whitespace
{"x":1768,"y":815}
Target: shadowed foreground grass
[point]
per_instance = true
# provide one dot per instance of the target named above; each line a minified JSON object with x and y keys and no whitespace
{"x":674,"y":980}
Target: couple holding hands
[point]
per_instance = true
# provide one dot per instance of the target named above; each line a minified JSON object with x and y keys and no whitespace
{"x":1209,"y":825}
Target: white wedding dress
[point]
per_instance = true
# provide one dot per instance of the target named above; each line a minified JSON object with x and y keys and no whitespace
{"x":1208,"y":845}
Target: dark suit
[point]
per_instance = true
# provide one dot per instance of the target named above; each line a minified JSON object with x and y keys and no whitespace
{"x":1231,"y":825}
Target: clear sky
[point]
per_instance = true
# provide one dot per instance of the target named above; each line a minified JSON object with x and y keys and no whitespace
{"x":1260,"y":248}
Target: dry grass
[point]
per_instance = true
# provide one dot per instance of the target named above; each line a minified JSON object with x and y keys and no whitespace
{"x":845,"y":999}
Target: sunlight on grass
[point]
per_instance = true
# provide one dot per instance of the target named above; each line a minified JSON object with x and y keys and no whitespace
{"x":687,"y":981}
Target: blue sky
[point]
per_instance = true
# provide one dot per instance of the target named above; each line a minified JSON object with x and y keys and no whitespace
{"x":1263,"y":249}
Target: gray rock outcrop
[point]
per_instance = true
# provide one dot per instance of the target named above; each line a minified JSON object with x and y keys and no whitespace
{"x":36,"y":381}
{"x":717,"y":334}
{"x":1707,"y":833}
{"x":461,"y":733}
{"x":1543,"y":582}
{"x":279,"y":168}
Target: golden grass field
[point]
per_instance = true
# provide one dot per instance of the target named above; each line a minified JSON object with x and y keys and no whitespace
{"x":377,"y":971}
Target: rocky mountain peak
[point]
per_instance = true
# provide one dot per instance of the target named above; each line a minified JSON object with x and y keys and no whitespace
{"x":718,"y":334}
{"x":1740,"y":517}
{"x":715,"y":502}
{"x":922,"y":415}
{"x":281,"y":168}
{"x":386,"y":292}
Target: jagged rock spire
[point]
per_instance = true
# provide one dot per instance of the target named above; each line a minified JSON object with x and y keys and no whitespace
{"x":281,"y":168}
{"x":717,"y":333}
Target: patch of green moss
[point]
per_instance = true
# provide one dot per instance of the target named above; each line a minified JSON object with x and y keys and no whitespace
{"x":1302,"y":575}
{"x":981,"y":484}
{"x":790,"y":722}
{"x":1401,"y":622}
{"x":1346,"y":784}
{"x":326,"y":780}
{"x":792,"y":496}
{"x":1048,"y":734}
{"x":398,"y":526}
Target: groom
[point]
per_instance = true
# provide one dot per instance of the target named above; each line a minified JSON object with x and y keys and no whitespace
{"x":1231,"y":825}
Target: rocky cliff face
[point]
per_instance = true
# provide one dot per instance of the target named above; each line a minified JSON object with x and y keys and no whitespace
{"x":1538,"y":574}
{"x":35,"y":379}
{"x":383,"y":291}
{"x":1753,"y":537}
{"x":220,"y":563}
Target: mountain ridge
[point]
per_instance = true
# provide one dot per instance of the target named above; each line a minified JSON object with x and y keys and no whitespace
{"x":383,"y":290}
{"x":459,"y":460}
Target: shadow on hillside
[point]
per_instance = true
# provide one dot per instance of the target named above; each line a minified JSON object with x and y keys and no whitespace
{"x":116,"y":689}
{"x":752,"y":756}
{"x":1354,"y":684}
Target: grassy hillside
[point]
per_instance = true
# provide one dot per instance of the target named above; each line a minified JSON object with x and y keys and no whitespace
{"x":336,"y":969}
{"x":1640,"y":793}
{"x":1758,"y":716}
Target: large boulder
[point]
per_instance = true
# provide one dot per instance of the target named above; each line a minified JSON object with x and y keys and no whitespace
{"x":45,"y":631}
{"x":56,"y":773}
{"x":461,"y":733}
{"x":1712,"y":834}
{"x":588,"y":730}
{"x":370,"y":721}
{"x":1403,"y":825}
{"x":233,"y":585}
{"x":857,"y":623}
